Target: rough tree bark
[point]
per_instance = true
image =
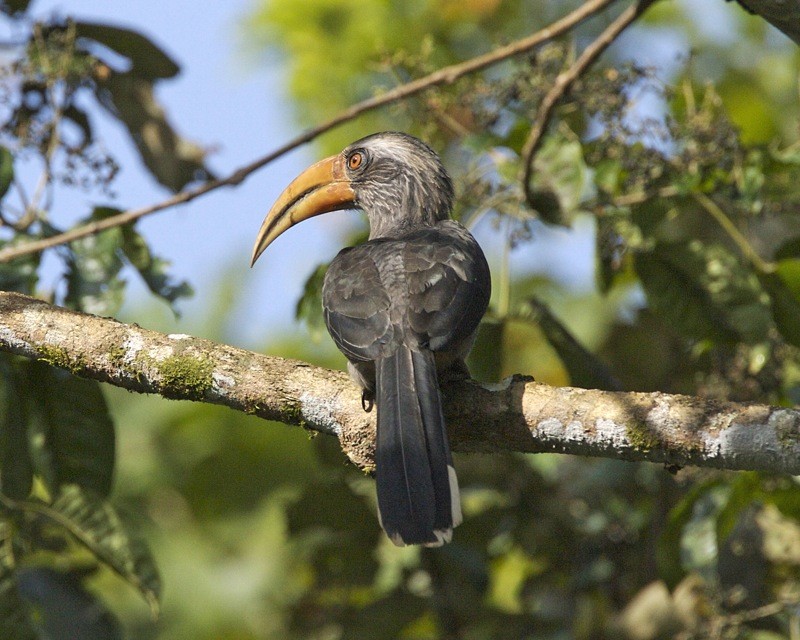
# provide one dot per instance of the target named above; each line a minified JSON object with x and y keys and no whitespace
{"x":516,"y":415}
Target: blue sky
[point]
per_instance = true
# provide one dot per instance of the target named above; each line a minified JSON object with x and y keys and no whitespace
{"x":233,"y":101}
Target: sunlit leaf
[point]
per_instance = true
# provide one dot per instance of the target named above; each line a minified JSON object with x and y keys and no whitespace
{"x":608,"y":176}
{"x":789,"y":272}
{"x":561,"y":179}
{"x":751,"y":111}
{"x":93,"y":282}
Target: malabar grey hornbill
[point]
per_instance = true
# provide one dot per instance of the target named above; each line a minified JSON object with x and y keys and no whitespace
{"x":401,"y":307}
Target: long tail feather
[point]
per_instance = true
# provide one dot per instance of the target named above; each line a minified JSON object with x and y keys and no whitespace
{"x":418,"y":499}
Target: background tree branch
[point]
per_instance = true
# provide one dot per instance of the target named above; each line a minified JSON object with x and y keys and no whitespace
{"x":564,"y":81}
{"x":516,"y":415}
{"x":783,"y":15}
{"x":444,"y":76}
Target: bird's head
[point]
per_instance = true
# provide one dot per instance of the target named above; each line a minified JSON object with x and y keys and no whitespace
{"x":396,"y":179}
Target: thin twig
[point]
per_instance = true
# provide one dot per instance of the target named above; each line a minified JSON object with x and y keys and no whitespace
{"x":564,"y":81}
{"x":716,"y":212}
{"x":764,"y":611}
{"x":444,"y":76}
{"x":632,"y":199}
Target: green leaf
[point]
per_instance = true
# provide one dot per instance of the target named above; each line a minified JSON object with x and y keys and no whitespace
{"x":744,"y":489}
{"x":608,"y":176}
{"x":789,"y":249}
{"x":16,"y":472}
{"x":336,"y":531}
{"x":783,"y":287}
{"x":93,"y":282}
{"x":14,"y":620}
{"x":152,"y":268}
{"x":96,"y":525}
{"x":13,"y":7}
{"x":391,"y":614}
{"x":172,"y":159}
{"x":76,"y":434}
{"x":147,"y":59}
{"x":20,"y":274}
{"x":615,"y":240}
{"x":704,"y":291}
{"x":6,"y":170}
{"x":789,"y":272}
{"x":784,"y":496}
{"x":309,"y":306}
{"x":668,"y":556}
{"x":585,"y":369}
{"x":485,"y":361}
{"x":561,"y":179}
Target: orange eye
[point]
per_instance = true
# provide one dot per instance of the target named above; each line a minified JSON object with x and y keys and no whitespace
{"x":355,"y":160}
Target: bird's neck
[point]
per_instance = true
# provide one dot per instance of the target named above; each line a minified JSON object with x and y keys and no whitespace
{"x":393,"y":224}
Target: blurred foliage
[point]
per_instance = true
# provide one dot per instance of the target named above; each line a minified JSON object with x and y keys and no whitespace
{"x":689,"y":179}
{"x":57,"y":439}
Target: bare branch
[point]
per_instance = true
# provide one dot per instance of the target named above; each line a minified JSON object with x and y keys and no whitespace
{"x":517,"y":415}
{"x":565,"y":80}
{"x":775,"y":11}
{"x":444,"y":76}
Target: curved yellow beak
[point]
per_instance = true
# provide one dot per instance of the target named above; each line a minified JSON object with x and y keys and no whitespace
{"x":321,"y":188}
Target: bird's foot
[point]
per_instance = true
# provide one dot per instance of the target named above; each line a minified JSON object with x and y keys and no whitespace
{"x":457,"y":372}
{"x":367,"y":400}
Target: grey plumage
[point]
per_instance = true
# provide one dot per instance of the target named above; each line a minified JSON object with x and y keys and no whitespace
{"x":400,"y":306}
{"x":403,"y":307}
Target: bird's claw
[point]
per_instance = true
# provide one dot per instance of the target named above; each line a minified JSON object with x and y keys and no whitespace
{"x":456,"y":372}
{"x":367,"y":401}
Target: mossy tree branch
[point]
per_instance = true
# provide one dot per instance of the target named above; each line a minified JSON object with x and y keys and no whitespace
{"x":516,"y":415}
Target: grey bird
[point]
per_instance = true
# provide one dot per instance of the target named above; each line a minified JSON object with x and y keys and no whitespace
{"x":404,"y":308}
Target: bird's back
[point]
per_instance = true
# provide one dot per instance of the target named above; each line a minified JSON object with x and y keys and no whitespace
{"x":427,"y":289}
